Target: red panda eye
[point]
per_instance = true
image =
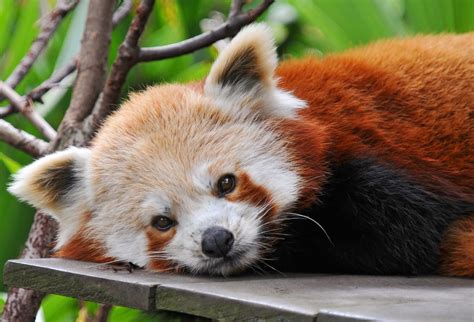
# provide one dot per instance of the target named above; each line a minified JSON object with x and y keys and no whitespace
{"x":226,"y":184}
{"x":162,"y":223}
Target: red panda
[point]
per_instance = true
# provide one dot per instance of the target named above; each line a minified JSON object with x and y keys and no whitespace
{"x":359,"y":162}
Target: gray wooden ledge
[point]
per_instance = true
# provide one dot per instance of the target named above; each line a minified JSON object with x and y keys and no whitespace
{"x":321,"y":298}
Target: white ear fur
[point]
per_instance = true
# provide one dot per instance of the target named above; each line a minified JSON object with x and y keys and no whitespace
{"x":243,"y":76}
{"x":57,"y":183}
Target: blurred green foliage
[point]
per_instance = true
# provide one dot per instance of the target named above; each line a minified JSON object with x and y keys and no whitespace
{"x":301,"y":27}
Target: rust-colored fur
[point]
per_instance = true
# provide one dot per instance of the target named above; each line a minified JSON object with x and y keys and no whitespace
{"x":406,"y":102}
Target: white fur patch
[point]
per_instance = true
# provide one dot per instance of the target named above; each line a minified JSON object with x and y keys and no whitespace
{"x":260,"y":96}
{"x":128,"y":245}
{"x":75,"y":204}
{"x":240,"y":219}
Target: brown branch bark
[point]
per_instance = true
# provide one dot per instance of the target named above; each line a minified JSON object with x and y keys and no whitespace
{"x":69,"y":68}
{"x":126,"y":59}
{"x":24,"y":107}
{"x":22,"y":140}
{"x":48,"y":27}
{"x":5,"y":111}
{"x":121,"y":12}
{"x":22,"y":304}
{"x":37,"y":93}
{"x":130,"y":54}
{"x":91,"y":73}
{"x":228,"y":29}
{"x":235,"y":8}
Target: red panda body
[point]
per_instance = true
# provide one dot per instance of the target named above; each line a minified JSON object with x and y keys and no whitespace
{"x":371,"y":149}
{"x":399,"y":121}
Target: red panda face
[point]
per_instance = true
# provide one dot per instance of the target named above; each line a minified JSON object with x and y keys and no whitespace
{"x":180,"y":177}
{"x":198,"y":193}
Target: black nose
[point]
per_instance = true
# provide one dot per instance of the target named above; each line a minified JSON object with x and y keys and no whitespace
{"x":217,"y":241}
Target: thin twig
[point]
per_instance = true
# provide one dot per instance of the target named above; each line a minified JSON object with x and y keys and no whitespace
{"x":121,"y":12}
{"x":22,"y":140}
{"x":236,"y":8}
{"x":228,"y":29}
{"x":5,"y":111}
{"x":24,"y":107}
{"x":48,"y":27}
{"x":36,"y":94}
{"x":126,"y":59}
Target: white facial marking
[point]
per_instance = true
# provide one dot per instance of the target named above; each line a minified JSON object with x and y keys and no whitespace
{"x":128,"y":246}
{"x":240,"y":219}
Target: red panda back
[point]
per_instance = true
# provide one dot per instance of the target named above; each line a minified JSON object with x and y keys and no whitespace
{"x":407,"y":102}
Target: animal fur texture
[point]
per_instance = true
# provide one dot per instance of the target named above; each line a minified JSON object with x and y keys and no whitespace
{"x":359,"y":162}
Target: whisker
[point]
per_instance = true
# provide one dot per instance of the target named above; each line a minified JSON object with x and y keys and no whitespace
{"x":105,"y":263}
{"x":315,"y":222}
{"x":273,"y":268}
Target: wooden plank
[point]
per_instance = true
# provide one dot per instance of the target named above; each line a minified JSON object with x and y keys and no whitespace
{"x":66,"y":278}
{"x":324,"y":298}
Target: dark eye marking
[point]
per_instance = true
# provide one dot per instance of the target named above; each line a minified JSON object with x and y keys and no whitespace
{"x":162,"y":223}
{"x":225,"y":185}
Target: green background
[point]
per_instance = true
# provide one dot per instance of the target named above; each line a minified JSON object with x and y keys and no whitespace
{"x":301,"y":27}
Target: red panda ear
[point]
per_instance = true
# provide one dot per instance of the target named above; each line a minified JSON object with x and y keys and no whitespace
{"x":243,"y":76}
{"x":56,"y":183}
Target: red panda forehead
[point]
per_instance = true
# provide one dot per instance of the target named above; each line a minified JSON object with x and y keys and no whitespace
{"x":165,"y":108}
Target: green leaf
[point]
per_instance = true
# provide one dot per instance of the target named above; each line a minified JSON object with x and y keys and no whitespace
{"x":21,"y":35}
{"x":3,"y":297}
{"x":60,"y":308}
{"x":10,"y":164}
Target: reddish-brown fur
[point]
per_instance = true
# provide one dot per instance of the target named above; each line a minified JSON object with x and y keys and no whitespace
{"x":405,"y":103}
{"x":82,"y":247}
{"x":156,"y":241}
{"x":458,"y":248}
{"x":248,"y":191}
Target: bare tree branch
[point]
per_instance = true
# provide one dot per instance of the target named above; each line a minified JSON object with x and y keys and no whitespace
{"x":130,"y":53}
{"x":24,"y":106}
{"x":22,"y":140}
{"x":126,"y":59}
{"x":121,"y":12}
{"x":236,"y":8}
{"x":228,"y":29}
{"x":36,"y":94}
{"x":21,"y":304}
{"x":92,"y":69}
{"x":92,"y":62}
{"x":49,"y":26}
{"x":5,"y":111}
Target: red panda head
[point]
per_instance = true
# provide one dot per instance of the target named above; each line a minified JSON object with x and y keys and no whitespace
{"x":184,"y":176}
